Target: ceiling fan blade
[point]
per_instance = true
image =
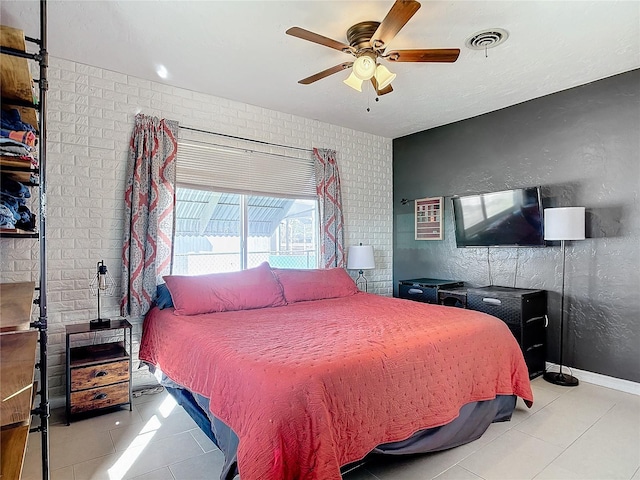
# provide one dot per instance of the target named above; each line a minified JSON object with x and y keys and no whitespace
{"x":446,"y":55}
{"x":397,"y":18}
{"x":319,"y":39}
{"x":384,"y":91}
{"x":325,"y":73}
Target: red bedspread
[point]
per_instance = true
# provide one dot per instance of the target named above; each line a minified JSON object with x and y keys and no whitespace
{"x":312,"y":386}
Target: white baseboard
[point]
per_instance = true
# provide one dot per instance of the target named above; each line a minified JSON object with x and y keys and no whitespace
{"x":599,"y":379}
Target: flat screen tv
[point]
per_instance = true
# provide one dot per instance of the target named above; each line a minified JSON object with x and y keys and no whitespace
{"x":512,"y":218}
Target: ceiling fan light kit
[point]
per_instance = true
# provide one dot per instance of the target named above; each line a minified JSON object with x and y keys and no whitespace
{"x":382,"y":78}
{"x":367,"y":42}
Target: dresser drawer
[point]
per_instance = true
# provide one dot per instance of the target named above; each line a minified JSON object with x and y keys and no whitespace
{"x":507,"y":309}
{"x":418,"y":294}
{"x":99,"y":375}
{"x":100,"y":397}
{"x":424,"y":289}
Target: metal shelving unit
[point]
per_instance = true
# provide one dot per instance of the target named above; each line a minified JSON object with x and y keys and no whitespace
{"x":42,"y":409}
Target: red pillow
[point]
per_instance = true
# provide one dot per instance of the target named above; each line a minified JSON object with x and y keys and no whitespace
{"x":221,"y":292}
{"x":301,"y":285}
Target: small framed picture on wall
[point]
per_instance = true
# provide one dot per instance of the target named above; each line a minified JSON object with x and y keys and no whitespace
{"x":429,"y":218}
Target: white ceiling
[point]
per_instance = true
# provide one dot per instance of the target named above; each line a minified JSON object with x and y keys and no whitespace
{"x":238,"y":50}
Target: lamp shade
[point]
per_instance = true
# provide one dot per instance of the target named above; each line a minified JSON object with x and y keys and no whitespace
{"x":354,"y":82}
{"x":384,"y":77}
{"x":565,"y":223}
{"x":364,"y":67}
{"x":360,"y":258}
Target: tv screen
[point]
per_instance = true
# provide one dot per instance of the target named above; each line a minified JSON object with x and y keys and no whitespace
{"x":512,"y":218}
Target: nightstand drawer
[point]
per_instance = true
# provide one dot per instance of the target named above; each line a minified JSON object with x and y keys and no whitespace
{"x":100,"y":397}
{"x":99,"y":375}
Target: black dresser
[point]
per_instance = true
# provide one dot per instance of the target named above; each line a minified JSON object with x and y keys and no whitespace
{"x":525,"y":313}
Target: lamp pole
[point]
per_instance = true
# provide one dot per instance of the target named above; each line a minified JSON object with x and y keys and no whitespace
{"x":559,"y":378}
{"x":99,"y":317}
{"x":561,"y":375}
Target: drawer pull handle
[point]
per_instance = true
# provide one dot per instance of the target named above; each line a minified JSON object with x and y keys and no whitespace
{"x":101,"y":373}
{"x":535,"y":319}
{"x":546,"y":321}
{"x":415,"y":291}
{"x":492,"y":301}
{"x":100,"y":396}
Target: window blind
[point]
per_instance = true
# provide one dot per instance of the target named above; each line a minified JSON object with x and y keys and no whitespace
{"x":204,"y":165}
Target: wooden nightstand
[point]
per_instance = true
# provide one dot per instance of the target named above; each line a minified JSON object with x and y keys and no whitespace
{"x":98,"y":375}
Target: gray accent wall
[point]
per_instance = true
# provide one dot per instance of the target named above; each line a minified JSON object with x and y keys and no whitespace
{"x":582,"y":146}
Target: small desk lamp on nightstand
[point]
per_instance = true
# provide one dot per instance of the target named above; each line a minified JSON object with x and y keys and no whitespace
{"x":361,"y":258}
{"x":101,"y":285}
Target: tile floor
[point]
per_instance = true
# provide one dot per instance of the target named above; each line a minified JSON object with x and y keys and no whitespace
{"x":587,"y":432}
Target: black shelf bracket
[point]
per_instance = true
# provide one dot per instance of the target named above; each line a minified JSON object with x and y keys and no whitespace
{"x":19,"y":53}
{"x":37,"y":41}
{"x":41,"y":411}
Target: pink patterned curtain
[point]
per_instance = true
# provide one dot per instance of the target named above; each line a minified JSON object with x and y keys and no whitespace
{"x":149,"y":212}
{"x":330,"y":203}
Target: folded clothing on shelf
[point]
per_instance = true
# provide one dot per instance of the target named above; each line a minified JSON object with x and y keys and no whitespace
{"x":27,"y":219}
{"x":12,"y":145}
{"x":25,"y":137}
{"x":21,"y":216}
{"x":12,"y":204}
{"x":10,"y":120}
{"x":6,"y":217}
{"x":14,"y":188}
{"x":18,"y":152}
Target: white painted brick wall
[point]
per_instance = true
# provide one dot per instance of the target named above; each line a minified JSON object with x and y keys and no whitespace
{"x":91,"y":115}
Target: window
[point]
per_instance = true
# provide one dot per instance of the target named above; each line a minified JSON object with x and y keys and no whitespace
{"x":212,"y":234}
{"x":237,"y":207}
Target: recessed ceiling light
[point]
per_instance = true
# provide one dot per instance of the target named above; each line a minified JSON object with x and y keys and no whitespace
{"x":162,"y":71}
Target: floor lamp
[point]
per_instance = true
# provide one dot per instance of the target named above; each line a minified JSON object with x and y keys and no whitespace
{"x":566,"y":223}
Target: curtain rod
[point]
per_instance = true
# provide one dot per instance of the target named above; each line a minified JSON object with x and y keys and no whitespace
{"x":246,"y":139}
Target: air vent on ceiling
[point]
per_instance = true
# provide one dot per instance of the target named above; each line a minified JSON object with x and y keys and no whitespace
{"x":487,"y":39}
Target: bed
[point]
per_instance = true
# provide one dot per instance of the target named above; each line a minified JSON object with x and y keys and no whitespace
{"x":299,"y":374}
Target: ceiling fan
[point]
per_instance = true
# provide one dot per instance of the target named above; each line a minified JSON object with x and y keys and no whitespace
{"x":367,"y":42}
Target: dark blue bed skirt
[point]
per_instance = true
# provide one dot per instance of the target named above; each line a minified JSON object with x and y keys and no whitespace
{"x":473,"y":421}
